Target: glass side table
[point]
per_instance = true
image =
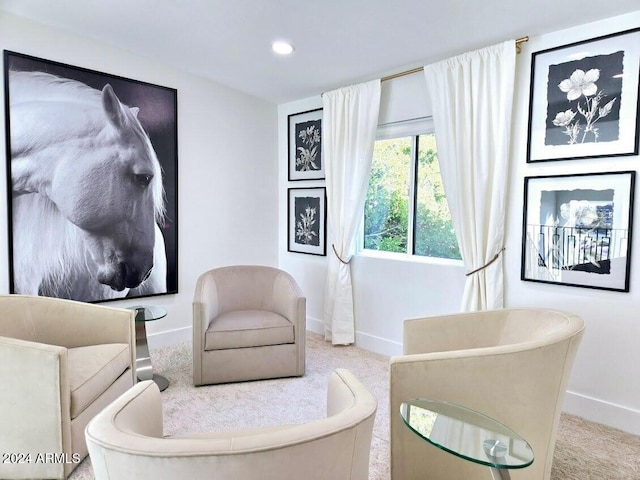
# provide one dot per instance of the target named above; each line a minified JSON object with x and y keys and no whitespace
{"x":468,"y":434}
{"x":144,"y":368}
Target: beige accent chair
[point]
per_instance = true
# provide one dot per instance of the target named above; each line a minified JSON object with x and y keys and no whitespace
{"x":61,"y":362}
{"x":249,"y":323}
{"x":126,"y":442}
{"x":512,"y":365}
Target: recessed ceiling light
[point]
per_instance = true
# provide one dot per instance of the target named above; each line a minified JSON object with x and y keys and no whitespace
{"x":282,"y":48}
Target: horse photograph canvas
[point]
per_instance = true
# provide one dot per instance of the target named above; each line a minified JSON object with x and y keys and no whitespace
{"x":92,"y":182}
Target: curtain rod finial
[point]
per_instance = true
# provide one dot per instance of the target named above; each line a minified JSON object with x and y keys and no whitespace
{"x":519,"y":43}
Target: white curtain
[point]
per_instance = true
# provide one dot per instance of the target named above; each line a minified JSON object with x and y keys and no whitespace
{"x":350,"y":121}
{"x":472,"y":97}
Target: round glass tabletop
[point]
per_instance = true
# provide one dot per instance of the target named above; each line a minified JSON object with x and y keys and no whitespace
{"x":148,"y":313}
{"x":466,"y":433}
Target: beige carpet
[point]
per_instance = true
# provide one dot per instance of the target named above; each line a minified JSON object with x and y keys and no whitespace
{"x":584,"y":450}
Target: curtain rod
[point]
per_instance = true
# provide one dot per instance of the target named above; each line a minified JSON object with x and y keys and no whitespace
{"x":519,"y":43}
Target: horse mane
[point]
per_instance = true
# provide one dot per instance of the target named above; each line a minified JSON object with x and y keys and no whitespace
{"x":45,"y":222}
{"x":45,"y":87}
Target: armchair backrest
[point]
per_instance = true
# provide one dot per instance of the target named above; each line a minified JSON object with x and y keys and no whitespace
{"x":488,"y":329}
{"x":17,"y":318}
{"x":66,"y":323}
{"x":121,"y":440}
{"x":528,"y":324}
{"x":246,"y":287}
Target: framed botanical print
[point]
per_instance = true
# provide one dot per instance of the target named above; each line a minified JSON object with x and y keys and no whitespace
{"x":305,"y":146}
{"x":307,"y":220}
{"x":577,"y":229}
{"x":584,"y":99}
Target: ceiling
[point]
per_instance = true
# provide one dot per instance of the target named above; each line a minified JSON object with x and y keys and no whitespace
{"x":338,"y":42}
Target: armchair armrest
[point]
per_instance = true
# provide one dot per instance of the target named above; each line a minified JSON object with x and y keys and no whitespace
{"x":289,"y":301}
{"x":34,"y":406}
{"x":205,"y":303}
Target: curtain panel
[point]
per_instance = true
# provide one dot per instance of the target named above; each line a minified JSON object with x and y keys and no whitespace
{"x":472,"y":98}
{"x":350,"y":121}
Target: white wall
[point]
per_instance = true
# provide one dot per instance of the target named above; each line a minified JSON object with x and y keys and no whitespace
{"x":605,"y":384}
{"x":226,"y":162}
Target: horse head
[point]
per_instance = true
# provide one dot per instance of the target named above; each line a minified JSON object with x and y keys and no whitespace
{"x":109,"y":185}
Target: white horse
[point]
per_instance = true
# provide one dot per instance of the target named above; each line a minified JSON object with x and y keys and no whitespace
{"x":87,"y":193}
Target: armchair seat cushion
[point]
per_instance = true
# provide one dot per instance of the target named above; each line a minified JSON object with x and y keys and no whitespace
{"x":92,"y":370}
{"x":248,"y":328}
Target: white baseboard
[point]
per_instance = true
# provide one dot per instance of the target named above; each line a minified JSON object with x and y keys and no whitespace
{"x":169,"y":337}
{"x":599,"y":411}
{"x":314,"y":325}
{"x":380,"y":345}
{"x":366,"y":341}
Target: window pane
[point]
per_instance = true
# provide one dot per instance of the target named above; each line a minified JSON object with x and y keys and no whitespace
{"x":387,"y":205}
{"x":434,"y":234}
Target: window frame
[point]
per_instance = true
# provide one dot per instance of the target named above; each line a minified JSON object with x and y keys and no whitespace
{"x":407,"y":128}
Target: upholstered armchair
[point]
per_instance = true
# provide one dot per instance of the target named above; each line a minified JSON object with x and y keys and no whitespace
{"x":126,"y":442}
{"x":61,"y":362}
{"x":249,"y":323}
{"x":512,"y":365}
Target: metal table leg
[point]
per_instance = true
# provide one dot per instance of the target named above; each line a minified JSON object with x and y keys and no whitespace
{"x":144,"y":368}
{"x":500,"y":473}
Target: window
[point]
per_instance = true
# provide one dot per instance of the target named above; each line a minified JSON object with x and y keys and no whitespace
{"x":406,"y":210}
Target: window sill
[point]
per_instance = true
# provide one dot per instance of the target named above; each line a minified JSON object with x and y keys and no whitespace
{"x":405,"y":257}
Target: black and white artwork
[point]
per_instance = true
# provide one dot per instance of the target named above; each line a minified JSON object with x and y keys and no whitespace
{"x":305,"y":146}
{"x":577,"y":229}
{"x":307,"y":220}
{"x":584,"y":99}
{"x":92,"y":182}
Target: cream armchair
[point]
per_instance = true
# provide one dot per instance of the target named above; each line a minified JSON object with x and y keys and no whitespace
{"x":126,"y":442}
{"x":249,"y":323}
{"x":61,"y":362}
{"x":512,"y":365}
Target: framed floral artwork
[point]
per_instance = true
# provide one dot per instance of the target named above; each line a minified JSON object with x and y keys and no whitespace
{"x":305,"y":146}
{"x":577,"y":229}
{"x":307,"y":221}
{"x":584,"y":99}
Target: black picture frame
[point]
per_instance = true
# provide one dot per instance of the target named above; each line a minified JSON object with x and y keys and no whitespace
{"x":577,"y":229}
{"x":307,"y":220}
{"x":584,"y":99}
{"x":121,"y":216}
{"x":306,"y":160}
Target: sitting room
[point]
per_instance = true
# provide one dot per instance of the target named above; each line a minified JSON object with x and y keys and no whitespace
{"x":277,"y":240}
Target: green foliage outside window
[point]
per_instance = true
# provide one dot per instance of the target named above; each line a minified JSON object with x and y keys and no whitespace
{"x":387,"y":204}
{"x":388,"y":200}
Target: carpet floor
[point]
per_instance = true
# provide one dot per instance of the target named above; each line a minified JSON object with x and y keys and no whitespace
{"x":584,"y":450}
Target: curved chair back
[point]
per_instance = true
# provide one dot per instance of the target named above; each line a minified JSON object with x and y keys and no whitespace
{"x":512,"y":365}
{"x":125,"y":442}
